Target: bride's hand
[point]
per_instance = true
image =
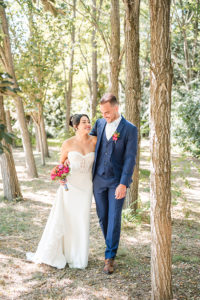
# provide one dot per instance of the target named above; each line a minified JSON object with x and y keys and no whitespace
{"x":66,"y":162}
{"x":120,"y":191}
{"x":63,"y":182}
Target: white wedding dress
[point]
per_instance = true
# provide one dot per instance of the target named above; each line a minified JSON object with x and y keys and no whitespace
{"x":66,"y":235}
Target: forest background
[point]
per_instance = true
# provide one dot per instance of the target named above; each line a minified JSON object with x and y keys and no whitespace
{"x":59,"y":57}
{"x":42,"y":46}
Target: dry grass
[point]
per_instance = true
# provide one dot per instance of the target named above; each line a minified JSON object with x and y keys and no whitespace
{"x":22,"y":224}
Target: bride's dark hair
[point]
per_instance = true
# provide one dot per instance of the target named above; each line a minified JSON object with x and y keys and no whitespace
{"x":75,"y":119}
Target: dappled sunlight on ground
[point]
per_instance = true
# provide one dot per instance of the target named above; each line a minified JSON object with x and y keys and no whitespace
{"x":22,"y":224}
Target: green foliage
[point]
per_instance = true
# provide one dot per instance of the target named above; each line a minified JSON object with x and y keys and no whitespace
{"x":141,"y":214}
{"x":185,"y":101}
{"x":54,"y":112}
{"x":186,"y":120}
{"x":186,"y":259}
{"x":6,"y":85}
{"x":41,"y":45}
{"x":8,"y":137}
{"x":144,"y":173}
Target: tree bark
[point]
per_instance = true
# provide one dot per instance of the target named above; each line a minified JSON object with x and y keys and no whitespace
{"x":41,"y":144}
{"x":71,"y":70}
{"x":36,"y":137}
{"x":114,"y":48}
{"x":9,"y":125}
{"x":44,"y":136}
{"x":94,"y":64}
{"x":8,"y":121}
{"x":196,"y":34}
{"x":9,"y":175}
{"x":7,"y":60}
{"x":160,"y":185}
{"x":41,"y":94}
{"x":133,"y":86}
{"x":37,"y":117}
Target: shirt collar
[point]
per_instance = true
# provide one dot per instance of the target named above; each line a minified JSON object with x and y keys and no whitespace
{"x":115,"y":122}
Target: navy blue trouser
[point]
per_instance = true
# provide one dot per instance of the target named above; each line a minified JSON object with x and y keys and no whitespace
{"x":109,"y":212}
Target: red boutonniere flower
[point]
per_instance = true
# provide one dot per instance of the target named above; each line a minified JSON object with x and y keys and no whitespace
{"x":115,"y":136}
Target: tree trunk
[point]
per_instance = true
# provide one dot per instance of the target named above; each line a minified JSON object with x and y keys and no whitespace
{"x":41,"y":144}
{"x":30,"y":161}
{"x":114,"y":48}
{"x":8,"y":121}
{"x":133,"y":86}
{"x":37,"y":118}
{"x":94,"y":64}
{"x":71,"y":70}
{"x":160,"y":185}
{"x":9,"y":175}
{"x":9,"y":125}
{"x":196,"y":34}
{"x":44,"y":136}
{"x":41,"y":94}
{"x":7,"y":60}
{"x":37,"y":142}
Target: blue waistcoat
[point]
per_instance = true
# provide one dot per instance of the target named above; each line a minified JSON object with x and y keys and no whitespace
{"x":104,"y":167}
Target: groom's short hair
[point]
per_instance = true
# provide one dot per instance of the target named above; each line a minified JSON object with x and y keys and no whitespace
{"x":108,"y":97}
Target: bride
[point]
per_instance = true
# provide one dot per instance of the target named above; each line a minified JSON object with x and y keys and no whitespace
{"x":65,"y":239}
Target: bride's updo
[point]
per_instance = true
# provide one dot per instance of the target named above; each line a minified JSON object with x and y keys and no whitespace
{"x":74,"y":120}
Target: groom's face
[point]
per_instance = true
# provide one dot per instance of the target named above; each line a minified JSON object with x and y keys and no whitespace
{"x":109,"y":112}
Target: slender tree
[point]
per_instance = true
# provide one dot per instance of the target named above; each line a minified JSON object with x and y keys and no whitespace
{"x":9,"y":175}
{"x":160,"y":108}
{"x":38,"y":59}
{"x":7,"y":61}
{"x":114,"y":47}
{"x":37,"y":119}
{"x":68,"y":92}
{"x":94,"y":62}
{"x":133,"y":87}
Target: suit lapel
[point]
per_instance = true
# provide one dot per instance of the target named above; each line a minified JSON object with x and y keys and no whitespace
{"x":121,"y":125}
{"x":101,"y":129}
{"x":102,"y":126}
{"x":119,"y":129}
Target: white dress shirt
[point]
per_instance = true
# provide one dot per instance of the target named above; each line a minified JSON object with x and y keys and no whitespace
{"x":111,"y":127}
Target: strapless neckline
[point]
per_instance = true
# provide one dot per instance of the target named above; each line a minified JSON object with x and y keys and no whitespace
{"x":84,"y":155}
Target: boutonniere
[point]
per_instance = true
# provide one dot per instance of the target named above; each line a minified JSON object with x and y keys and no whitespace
{"x":115,"y":136}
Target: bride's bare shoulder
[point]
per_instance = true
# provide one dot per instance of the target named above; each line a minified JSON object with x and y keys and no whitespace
{"x":68,"y":142}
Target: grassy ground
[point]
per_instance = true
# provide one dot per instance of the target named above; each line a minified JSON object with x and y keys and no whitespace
{"x":22,"y":223}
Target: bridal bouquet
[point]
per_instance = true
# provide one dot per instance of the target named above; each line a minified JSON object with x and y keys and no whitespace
{"x":60,"y":172}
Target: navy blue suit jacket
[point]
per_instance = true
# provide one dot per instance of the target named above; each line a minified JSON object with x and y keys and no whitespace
{"x":124,"y":150}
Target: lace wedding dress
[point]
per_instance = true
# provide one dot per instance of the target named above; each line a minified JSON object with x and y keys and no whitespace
{"x":66,"y":235}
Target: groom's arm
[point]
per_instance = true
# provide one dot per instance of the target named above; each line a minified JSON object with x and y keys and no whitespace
{"x":129,"y":157}
{"x":94,"y":130}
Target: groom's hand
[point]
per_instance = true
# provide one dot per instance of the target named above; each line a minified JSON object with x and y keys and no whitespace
{"x":120,"y":191}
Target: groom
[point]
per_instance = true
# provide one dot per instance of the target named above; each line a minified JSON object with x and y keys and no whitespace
{"x":115,"y":157}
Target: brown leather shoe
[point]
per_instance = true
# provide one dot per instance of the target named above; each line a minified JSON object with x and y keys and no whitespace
{"x":109,"y":266}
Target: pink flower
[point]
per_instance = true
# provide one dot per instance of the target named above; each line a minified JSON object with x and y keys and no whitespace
{"x":60,"y":172}
{"x":115,"y":136}
{"x":53,"y":176}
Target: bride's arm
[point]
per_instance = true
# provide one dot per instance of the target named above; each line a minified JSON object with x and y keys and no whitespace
{"x":64,"y":156}
{"x":94,"y":141}
{"x":64,"y":152}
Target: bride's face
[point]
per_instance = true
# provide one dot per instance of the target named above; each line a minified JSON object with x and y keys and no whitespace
{"x":84,"y":125}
